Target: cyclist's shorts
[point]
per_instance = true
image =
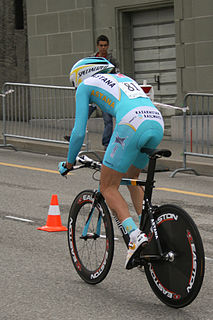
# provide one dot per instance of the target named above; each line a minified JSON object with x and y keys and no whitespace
{"x":127,"y":140}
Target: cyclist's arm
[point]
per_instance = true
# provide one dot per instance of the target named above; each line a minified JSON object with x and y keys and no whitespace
{"x":79,"y":130}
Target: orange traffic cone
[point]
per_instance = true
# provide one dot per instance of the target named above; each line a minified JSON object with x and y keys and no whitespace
{"x":54,"y":219}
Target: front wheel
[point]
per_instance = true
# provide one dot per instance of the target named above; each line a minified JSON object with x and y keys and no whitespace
{"x":177,"y":281}
{"x":90,"y":236}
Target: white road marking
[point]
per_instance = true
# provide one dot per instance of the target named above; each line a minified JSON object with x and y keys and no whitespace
{"x":20,"y":219}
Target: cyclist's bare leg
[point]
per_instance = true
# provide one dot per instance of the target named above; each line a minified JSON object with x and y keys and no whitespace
{"x":136,"y":192}
{"x":109,"y":184}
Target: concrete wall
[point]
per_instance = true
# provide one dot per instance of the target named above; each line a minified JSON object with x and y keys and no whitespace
{"x":61,"y":32}
{"x":194,"y":39}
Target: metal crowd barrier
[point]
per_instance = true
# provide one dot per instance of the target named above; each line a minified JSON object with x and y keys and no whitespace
{"x":37,"y":112}
{"x":197,"y":128}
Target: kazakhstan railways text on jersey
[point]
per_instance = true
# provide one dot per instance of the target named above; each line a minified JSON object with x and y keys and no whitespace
{"x":116,"y":94}
{"x":134,"y":118}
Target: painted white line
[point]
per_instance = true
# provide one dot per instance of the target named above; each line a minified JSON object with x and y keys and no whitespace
{"x":20,"y":219}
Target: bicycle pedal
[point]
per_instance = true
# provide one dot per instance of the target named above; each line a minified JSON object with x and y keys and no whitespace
{"x":135,"y":263}
{"x":141,"y":268}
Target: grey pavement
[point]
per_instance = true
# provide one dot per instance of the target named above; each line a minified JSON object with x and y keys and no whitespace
{"x":202,"y":165}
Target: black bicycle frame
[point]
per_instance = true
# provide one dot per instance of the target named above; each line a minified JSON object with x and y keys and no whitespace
{"x":147,"y":212}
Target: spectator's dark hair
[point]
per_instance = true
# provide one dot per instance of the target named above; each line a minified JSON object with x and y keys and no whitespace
{"x":102,"y":38}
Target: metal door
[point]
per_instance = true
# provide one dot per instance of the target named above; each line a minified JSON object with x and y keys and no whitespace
{"x":155,"y":52}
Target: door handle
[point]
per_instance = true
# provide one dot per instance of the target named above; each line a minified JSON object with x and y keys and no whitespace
{"x":157,"y":79}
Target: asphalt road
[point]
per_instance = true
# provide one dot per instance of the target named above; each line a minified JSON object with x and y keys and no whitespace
{"x":37,"y":279}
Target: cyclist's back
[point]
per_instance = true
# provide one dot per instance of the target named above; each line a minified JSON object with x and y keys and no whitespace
{"x":138,"y":124}
{"x":118,"y":95}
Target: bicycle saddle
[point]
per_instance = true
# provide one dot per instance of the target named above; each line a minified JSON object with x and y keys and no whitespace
{"x":157,"y":152}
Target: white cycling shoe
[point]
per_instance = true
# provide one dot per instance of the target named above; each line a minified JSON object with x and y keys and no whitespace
{"x":138,"y":240}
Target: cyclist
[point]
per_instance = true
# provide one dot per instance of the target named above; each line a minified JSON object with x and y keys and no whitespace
{"x":138,"y":124}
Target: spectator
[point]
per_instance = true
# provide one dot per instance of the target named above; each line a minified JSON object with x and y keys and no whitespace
{"x":103,"y":46}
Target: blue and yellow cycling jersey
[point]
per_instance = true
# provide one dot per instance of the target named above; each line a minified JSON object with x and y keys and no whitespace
{"x":124,"y":99}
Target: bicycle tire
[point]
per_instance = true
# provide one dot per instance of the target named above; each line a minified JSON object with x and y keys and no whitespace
{"x":176,"y":283}
{"x":92,"y":256}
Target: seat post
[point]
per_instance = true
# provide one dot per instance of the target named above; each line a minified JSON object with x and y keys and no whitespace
{"x":150,"y":177}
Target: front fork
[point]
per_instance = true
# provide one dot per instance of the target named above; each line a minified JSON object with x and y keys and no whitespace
{"x":96,"y":197}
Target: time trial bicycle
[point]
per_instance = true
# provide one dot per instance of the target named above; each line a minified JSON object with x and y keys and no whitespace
{"x":173,"y":260}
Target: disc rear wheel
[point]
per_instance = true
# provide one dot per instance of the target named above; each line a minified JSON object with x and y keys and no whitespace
{"x":176,"y":281}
